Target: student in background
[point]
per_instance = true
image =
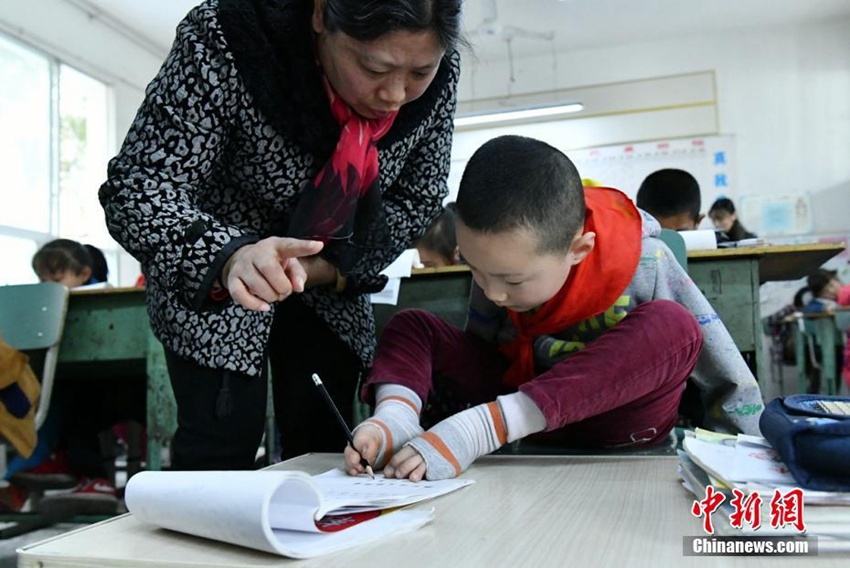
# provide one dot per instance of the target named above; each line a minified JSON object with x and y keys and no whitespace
{"x":821,"y":295}
{"x":438,"y":246}
{"x":725,"y":219}
{"x":582,"y":330}
{"x":68,"y":453}
{"x":70,"y":263}
{"x":673,"y":198}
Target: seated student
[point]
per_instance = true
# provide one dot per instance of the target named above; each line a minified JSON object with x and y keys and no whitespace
{"x":438,"y":246}
{"x":722,"y":214}
{"x":582,"y":330}
{"x":70,"y":263}
{"x":673,"y":198}
{"x":819,"y":295}
{"x":68,"y":450}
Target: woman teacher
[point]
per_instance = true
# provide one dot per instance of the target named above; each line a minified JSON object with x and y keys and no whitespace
{"x":286,"y":152}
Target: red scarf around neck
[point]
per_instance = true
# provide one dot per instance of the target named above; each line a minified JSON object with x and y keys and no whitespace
{"x":593,"y":285}
{"x":328,"y":211}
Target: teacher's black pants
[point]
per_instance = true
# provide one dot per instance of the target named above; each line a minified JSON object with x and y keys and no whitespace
{"x":221,"y":414}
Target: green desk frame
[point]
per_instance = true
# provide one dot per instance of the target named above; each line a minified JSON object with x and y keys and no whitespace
{"x":827,"y":331}
{"x":107,"y":335}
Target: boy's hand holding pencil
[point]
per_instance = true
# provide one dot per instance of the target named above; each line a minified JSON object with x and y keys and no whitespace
{"x":367,"y":444}
{"x":363,"y":463}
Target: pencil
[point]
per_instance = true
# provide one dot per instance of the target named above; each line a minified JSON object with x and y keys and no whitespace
{"x":342,"y":423}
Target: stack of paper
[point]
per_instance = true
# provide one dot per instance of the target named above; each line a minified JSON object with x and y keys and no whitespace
{"x":749,"y":464}
{"x":283,"y":512}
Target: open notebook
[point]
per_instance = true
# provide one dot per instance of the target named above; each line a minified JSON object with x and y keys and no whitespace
{"x":282,"y":512}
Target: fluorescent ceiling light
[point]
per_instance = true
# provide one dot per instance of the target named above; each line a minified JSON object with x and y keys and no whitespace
{"x":513,"y":115}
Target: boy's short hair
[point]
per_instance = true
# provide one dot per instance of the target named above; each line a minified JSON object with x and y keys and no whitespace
{"x":514,"y":182}
{"x":670,"y":192}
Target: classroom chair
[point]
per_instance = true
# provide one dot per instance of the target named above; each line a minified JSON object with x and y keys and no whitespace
{"x":676,"y":244}
{"x":32,"y":318}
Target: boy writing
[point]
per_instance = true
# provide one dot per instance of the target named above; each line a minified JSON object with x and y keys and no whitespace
{"x":582,"y":330}
{"x":673,"y":198}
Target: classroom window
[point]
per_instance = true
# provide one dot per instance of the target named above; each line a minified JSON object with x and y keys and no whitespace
{"x":25,"y":141}
{"x":53,"y":153}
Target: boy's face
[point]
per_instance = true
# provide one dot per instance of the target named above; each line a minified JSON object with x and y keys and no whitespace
{"x":510,"y":270}
{"x":680,"y":222}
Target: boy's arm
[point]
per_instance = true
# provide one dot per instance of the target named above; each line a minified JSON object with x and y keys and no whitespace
{"x":731,"y":395}
{"x":448,"y":449}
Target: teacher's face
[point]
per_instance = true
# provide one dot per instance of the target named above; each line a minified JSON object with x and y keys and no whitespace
{"x":376,"y":78}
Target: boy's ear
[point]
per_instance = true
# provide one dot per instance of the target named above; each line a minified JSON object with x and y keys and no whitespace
{"x":698,"y":220}
{"x":85,"y":273}
{"x":581,"y":247}
{"x":456,"y":256}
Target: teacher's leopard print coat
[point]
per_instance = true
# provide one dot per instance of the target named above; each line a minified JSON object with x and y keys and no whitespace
{"x":232,"y":128}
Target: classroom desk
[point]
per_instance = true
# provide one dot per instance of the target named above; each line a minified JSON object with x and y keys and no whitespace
{"x":730,"y":279}
{"x":108,"y":336}
{"x":775,"y":262}
{"x":823,"y":330}
{"x":443,"y":291}
{"x":522,"y":511}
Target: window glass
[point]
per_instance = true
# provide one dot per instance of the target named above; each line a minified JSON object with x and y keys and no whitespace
{"x":82,"y":156}
{"x":25,"y":142}
{"x":53,"y":155}
{"x":16,"y":257}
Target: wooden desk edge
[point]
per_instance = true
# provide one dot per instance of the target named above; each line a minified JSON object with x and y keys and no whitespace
{"x":765,"y":249}
{"x":106,"y":291}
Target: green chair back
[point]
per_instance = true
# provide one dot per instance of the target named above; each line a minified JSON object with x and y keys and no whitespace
{"x":32,"y":316}
{"x":676,"y":244}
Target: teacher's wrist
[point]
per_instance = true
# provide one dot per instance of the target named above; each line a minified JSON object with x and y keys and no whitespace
{"x":319,"y":271}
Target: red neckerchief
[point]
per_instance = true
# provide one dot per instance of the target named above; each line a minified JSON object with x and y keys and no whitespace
{"x":592,"y":286}
{"x":328,"y":211}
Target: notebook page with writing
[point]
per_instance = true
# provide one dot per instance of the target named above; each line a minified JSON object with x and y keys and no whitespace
{"x":344,"y":494}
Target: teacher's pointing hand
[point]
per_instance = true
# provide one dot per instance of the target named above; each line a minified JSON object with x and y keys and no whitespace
{"x":267,"y":271}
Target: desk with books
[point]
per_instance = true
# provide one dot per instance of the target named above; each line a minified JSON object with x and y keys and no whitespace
{"x":522,"y":511}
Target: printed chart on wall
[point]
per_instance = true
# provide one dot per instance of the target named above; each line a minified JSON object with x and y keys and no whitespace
{"x":710,"y":159}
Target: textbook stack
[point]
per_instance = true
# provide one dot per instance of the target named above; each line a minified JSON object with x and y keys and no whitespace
{"x":749,"y":464}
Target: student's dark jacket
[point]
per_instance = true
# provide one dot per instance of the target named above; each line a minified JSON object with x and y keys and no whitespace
{"x":232,"y":129}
